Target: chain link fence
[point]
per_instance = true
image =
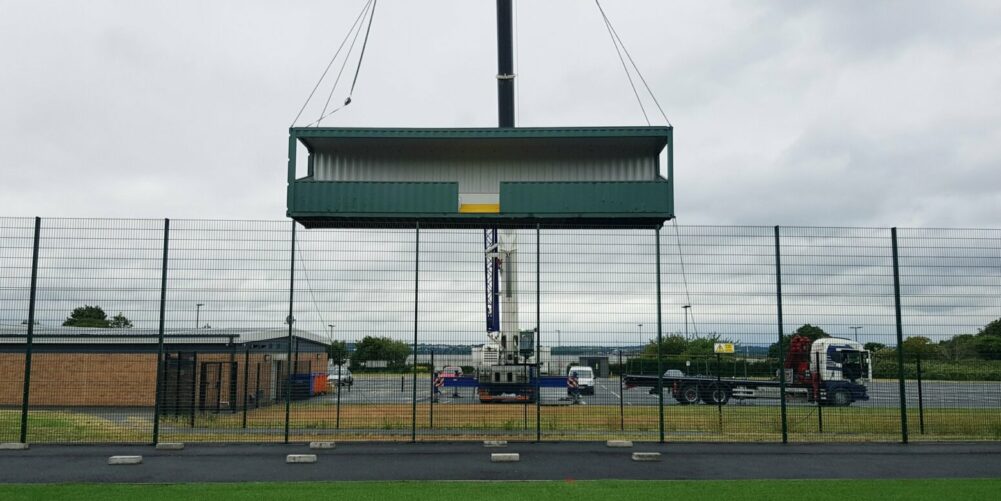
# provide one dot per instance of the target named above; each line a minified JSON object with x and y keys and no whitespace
{"x":142,"y":331}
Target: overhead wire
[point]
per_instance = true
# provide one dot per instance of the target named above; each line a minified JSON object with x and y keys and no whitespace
{"x":331,"y":63}
{"x":611,"y":34}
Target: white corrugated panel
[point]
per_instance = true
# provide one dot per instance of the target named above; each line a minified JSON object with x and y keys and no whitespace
{"x":480,"y":175}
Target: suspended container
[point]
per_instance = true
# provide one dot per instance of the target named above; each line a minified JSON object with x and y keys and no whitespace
{"x":518,"y":177}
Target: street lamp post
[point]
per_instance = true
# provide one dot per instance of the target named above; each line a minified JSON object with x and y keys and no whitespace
{"x":198,"y":312}
{"x":856,"y":328}
{"x":641,"y":335}
{"x":331,"y":332}
{"x":559,"y":340}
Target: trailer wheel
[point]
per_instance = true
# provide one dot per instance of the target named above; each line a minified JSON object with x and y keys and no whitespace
{"x":715,"y":394}
{"x":841,"y":398}
{"x":688,"y":394}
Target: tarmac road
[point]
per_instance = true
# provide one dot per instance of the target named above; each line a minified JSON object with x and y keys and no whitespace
{"x":935,"y":394}
{"x":471,"y":461}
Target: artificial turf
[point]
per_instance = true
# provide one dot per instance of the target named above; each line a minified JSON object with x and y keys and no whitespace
{"x":785,"y":490}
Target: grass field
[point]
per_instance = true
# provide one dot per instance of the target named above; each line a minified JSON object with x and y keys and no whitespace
{"x":816,"y":490}
{"x":514,"y":422}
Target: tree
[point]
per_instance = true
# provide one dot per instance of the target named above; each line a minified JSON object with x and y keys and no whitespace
{"x":988,"y":341}
{"x":88,"y":316}
{"x":874,"y":347}
{"x":94,"y":316}
{"x":120,"y":322}
{"x":674,"y":344}
{"x":961,"y":347}
{"x":920,"y":346}
{"x":338,"y":352}
{"x":811,"y":331}
{"x":395,"y":353}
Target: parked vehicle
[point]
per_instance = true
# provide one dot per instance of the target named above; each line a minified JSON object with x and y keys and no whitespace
{"x":451,"y":371}
{"x":830,"y":371}
{"x":344,"y":379}
{"x":585,"y":378}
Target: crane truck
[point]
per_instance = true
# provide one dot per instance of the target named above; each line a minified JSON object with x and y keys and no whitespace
{"x":512,"y":373}
{"x":828,"y":371}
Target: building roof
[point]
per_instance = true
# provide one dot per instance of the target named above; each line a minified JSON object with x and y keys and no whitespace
{"x":43,"y":334}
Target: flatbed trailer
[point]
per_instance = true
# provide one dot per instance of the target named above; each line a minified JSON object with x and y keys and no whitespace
{"x":504,"y":392}
{"x":718,"y":391}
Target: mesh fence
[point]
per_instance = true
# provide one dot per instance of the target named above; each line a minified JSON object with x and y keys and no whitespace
{"x":408,"y":334}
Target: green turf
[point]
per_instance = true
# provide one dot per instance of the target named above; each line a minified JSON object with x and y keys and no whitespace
{"x":785,"y":490}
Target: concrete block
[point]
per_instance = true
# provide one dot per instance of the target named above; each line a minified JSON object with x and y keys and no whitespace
{"x":646,"y":456}
{"x":170,"y":446}
{"x":13,"y":446}
{"x":506,"y":457}
{"x":322,"y":445}
{"x":495,"y":443}
{"x":619,"y":443}
{"x":115,"y":460}
{"x":300,"y":458}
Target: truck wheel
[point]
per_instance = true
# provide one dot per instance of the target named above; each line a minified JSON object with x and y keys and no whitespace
{"x":688,"y":394}
{"x":716,"y":395}
{"x":841,"y":398}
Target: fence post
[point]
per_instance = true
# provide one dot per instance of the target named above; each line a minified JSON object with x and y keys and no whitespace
{"x":660,"y":362}
{"x":159,"y":344}
{"x":246,"y":381}
{"x":417,"y":275}
{"x":782,"y":351}
{"x":538,"y":332}
{"x":622,"y":410}
{"x":921,"y":399}
{"x":900,"y":336}
{"x":30,"y":333}
{"x":288,"y":351}
{"x":337,"y":388}
{"x":433,"y":396}
{"x":816,"y":395}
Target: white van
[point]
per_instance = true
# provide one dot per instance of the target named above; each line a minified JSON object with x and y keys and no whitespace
{"x":585,"y":378}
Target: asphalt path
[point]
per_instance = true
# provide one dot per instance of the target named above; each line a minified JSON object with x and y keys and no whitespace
{"x":934,"y":394}
{"x":471,"y":461}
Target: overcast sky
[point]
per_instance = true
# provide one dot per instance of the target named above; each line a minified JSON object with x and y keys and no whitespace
{"x":819,"y":113}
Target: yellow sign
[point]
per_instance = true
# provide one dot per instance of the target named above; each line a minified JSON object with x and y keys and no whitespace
{"x":723,"y":347}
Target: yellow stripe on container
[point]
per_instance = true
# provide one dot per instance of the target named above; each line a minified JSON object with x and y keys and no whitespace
{"x":479,"y":208}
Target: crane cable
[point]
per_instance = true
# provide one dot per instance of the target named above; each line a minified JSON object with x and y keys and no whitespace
{"x":368,"y":10}
{"x":684,"y":277}
{"x":617,"y":43}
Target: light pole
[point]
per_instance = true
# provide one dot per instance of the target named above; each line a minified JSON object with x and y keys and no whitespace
{"x":686,"y":307}
{"x":856,"y":328}
{"x":559,"y":341}
{"x":331,"y":332}
{"x":641,"y":335}
{"x":198,"y":312}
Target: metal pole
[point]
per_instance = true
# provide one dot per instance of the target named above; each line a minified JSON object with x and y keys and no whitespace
{"x":505,"y":64}
{"x":782,"y":351}
{"x":622,"y":410}
{"x":288,"y":349}
{"x":159,"y":340}
{"x":431,"y":413}
{"x":660,"y":368}
{"x":31,"y":332}
{"x":921,"y":400}
{"x":246,"y":381}
{"x":816,"y":395}
{"x":194,"y":386}
{"x":719,"y":394}
{"x":538,"y":329}
{"x":337,"y":424}
{"x":900,"y":337}
{"x":417,"y":275}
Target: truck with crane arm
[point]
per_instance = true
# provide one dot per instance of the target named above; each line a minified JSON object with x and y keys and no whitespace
{"x":828,"y":371}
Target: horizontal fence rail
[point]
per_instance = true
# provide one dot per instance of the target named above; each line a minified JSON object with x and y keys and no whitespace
{"x":142,"y":331}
